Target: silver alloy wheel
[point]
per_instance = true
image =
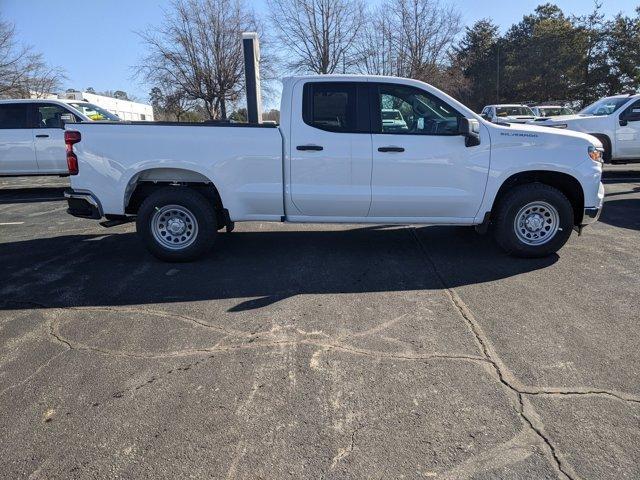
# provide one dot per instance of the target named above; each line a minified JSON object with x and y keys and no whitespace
{"x":537,"y":223}
{"x":174,"y":227}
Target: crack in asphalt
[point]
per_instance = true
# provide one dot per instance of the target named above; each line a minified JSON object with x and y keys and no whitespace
{"x":582,"y":392}
{"x":345,"y":452}
{"x":499,"y":368}
{"x":538,"y":429}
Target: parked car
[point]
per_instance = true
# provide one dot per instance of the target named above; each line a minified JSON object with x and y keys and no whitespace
{"x":333,"y":160}
{"x":392,"y":120}
{"x":508,"y":113}
{"x":32,"y":134}
{"x":615,"y":121}
{"x":550,"y":111}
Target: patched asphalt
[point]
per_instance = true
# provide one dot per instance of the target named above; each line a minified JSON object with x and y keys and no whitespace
{"x":317,"y":351}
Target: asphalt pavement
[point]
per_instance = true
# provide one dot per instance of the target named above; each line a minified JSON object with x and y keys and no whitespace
{"x":317,"y":351}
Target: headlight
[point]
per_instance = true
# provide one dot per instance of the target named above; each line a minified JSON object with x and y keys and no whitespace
{"x":596,"y":153}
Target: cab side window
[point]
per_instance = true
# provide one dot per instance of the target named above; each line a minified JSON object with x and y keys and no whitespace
{"x":632,"y":114}
{"x":336,"y":106}
{"x":14,"y":115}
{"x":411,"y":111}
{"x":49,"y":115}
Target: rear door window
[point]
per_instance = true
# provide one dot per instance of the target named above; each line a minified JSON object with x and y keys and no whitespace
{"x":336,"y":106}
{"x":14,"y":115}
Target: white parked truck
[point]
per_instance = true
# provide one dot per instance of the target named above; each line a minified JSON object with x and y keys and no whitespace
{"x":615,"y":121}
{"x":508,"y":113}
{"x":550,"y":111}
{"x":32,"y":134}
{"x":332,"y":160}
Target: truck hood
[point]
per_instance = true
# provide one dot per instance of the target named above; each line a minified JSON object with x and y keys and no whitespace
{"x":516,"y":118}
{"x":541,"y":134}
{"x":563,"y":119}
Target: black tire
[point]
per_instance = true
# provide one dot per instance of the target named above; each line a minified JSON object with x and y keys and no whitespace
{"x":515,"y":200}
{"x":203,"y":216}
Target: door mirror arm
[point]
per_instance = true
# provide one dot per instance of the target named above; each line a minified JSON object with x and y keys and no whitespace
{"x":470,"y":129}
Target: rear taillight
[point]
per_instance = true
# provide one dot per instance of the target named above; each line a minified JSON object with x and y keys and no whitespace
{"x":71,"y":137}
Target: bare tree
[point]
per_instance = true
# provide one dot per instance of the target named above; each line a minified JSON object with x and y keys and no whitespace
{"x":320,"y":34}
{"x":39,"y":79}
{"x":170,"y":104}
{"x":23,"y":72}
{"x":376,"y":48}
{"x":198,"y":50}
{"x":409,"y":38}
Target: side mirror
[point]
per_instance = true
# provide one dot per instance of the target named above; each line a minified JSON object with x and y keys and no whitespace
{"x":485,"y":117}
{"x":470,"y":129}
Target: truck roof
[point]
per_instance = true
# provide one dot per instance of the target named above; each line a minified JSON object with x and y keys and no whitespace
{"x":47,"y":100}
{"x":31,"y":100}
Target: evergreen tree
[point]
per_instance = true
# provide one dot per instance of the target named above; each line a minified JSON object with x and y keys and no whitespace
{"x":476,"y":57}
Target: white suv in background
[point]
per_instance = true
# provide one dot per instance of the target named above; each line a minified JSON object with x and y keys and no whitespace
{"x":508,"y":113}
{"x":32,"y":134}
{"x":615,"y":121}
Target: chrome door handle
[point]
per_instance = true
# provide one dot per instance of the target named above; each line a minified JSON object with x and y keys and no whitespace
{"x":390,"y":149}
{"x":314,"y":148}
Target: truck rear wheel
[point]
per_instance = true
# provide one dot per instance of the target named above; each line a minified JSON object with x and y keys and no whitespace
{"x":533,"y":220}
{"x":176,"y":224}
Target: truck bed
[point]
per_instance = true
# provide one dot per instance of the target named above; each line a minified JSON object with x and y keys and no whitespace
{"x":243,"y":161}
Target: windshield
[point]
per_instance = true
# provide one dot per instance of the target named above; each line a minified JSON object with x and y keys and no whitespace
{"x":95,"y":112}
{"x":555,"y":111}
{"x":604,"y":107}
{"x":513,"y":111}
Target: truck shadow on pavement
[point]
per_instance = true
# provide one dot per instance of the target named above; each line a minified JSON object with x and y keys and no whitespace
{"x":622,"y":212}
{"x":256,"y":267}
{"x":31,"y":195}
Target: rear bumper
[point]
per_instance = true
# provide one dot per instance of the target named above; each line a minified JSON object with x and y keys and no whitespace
{"x":83,"y":205}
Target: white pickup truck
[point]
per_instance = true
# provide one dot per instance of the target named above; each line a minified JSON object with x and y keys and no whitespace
{"x":615,"y":121}
{"x":32,"y":134}
{"x":332,"y":160}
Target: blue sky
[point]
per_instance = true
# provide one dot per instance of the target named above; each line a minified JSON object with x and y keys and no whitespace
{"x":94,"y":40}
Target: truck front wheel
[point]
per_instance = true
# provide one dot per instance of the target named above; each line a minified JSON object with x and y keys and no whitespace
{"x":533,"y":220}
{"x":176,"y":224}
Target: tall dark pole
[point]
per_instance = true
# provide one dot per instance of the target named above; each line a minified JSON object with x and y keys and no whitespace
{"x":498,"y":75}
{"x":252,"y":76}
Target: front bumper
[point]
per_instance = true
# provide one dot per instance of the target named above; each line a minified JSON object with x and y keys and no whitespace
{"x":83,"y":205}
{"x":592,"y":214}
